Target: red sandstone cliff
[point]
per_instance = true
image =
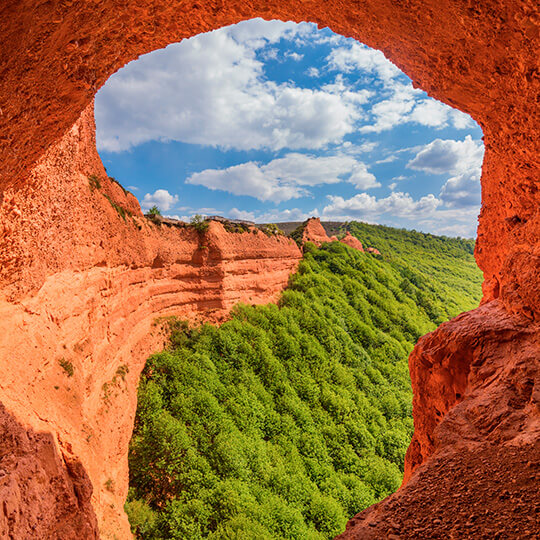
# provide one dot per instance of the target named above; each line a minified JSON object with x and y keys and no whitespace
{"x":352,"y":241}
{"x":83,"y":284}
{"x":79,"y":283}
{"x":473,"y":467}
{"x":314,"y":232}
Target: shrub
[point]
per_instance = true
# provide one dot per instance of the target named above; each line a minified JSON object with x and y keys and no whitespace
{"x":67,"y":366}
{"x":93,"y":182}
{"x":199,"y":223}
{"x":271,"y":229}
{"x":154,"y":211}
{"x":285,"y":421}
{"x":120,"y":210}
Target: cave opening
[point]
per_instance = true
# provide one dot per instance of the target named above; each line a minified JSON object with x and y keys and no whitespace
{"x":271,"y":122}
{"x":267,"y":121}
{"x":64,"y":254}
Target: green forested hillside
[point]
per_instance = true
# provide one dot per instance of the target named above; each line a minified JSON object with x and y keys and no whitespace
{"x":444,"y":265}
{"x":287,"y":420}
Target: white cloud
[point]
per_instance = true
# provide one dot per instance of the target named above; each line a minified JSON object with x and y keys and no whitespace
{"x":160,"y":198}
{"x":354,"y":149}
{"x":449,"y":156}
{"x":428,"y":213}
{"x":462,"y":190}
{"x":294,"y":56}
{"x":211,"y":90}
{"x":388,"y":159}
{"x":246,"y":179}
{"x":363,"y":205}
{"x":394,"y":110}
{"x":258,"y":32}
{"x":290,"y":214}
{"x":270,"y":54}
{"x":286,"y":178}
{"x":361,"y":178}
{"x":358,"y":57}
{"x":234,"y":213}
{"x":429,"y":112}
{"x":402,"y":104}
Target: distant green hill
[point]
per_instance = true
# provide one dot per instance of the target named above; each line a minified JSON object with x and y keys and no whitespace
{"x":287,"y":420}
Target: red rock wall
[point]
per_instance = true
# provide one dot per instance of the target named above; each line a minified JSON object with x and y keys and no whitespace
{"x":79,"y":283}
{"x":352,"y":241}
{"x":314,"y":232}
{"x":83,"y":285}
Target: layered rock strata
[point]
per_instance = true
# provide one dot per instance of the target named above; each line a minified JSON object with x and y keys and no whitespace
{"x":85,"y":280}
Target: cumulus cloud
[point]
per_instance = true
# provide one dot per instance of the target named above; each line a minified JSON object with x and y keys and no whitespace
{"x":462,"y":190}
{"x":427,"y":213}
{"x":363,"y":206}
{"x":234,"y":213}
{"x":289,"y":214}
{"x":211,"y":90}
{"x":403,"y":104}
{"x":294,"y":56}
{"x":160,"y":198}
{"x":358,"y":57}
{"x":287,"y":177}
{"x":449,"y":156}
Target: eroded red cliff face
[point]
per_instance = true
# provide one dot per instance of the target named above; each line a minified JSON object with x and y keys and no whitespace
{"x":473,"y":467}
{"x":314,"y":232}
{"x":83,"y":283}
{"x":79,"y":283}
{"x":352,"y":241}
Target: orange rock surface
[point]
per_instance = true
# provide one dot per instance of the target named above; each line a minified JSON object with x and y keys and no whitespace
{"x":84,"y":286}
{"x":314,"y":232}
{"x":80,"y":284}
{"x":352,"y":241}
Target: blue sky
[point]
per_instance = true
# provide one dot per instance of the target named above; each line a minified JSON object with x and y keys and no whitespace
{"x":274,"y":121}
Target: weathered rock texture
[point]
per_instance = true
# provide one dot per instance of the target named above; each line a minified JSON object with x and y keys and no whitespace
{"x":473,"y":467}
{"x":84,"y":277}
{"x":78,"y":282}
{"x":352,"y":241}
{"x":314,"y":232}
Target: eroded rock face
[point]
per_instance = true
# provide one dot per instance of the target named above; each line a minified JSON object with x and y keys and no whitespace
{"x":352,"y":241}
{"x":314,"y":232}
{"x":84,"y":277}
{"x":80,"y":284}
{"x":474,"y":461}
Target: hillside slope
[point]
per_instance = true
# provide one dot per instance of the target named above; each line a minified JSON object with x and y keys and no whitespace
{"x":288,"y":419}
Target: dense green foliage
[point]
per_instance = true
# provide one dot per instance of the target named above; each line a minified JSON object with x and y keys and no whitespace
{"x":439,"y":266}
{"x":287,"y":420}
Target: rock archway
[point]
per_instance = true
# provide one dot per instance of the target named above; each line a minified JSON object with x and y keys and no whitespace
{"x":80,"y":283}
